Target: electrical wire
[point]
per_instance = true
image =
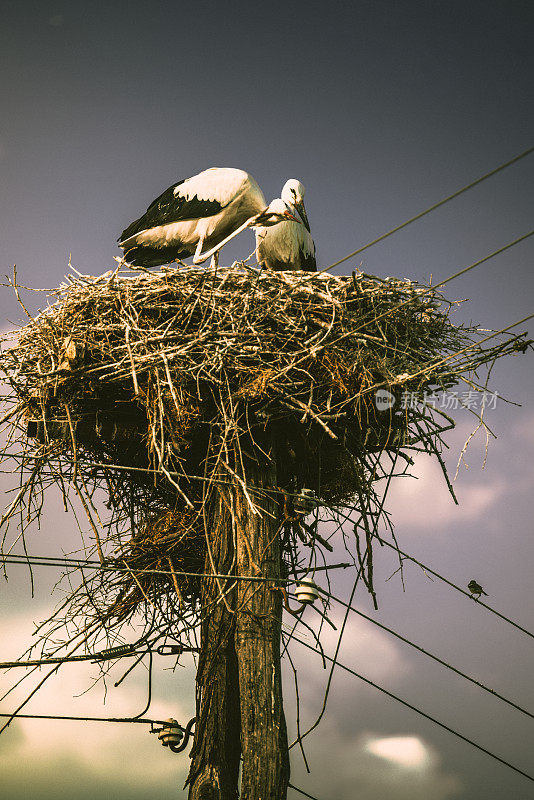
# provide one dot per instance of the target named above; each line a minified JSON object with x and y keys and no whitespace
{"x":486,"y":258}
{"x":301,"y":791}
{"x":426,"y":568}
{"x":15,"y":714}
{"x":121,"y":651}
{"x":433,"y":207}
{"x":88,"y":719}
{"x":67,"y":563}
{"x":427,"y":653}
{"x":420,"y":712}
{"x":82,"y":564}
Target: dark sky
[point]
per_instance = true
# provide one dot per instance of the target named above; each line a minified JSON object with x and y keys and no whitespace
{"x":381,"y":109}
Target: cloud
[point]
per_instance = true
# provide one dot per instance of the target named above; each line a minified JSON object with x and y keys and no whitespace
{"x":364,"y":648}
{"x":371,"y":767}
{"x":523,"y":429}
{"x":59,"y":752}
{"x":405,"y":751}
{"x":424,"y":502}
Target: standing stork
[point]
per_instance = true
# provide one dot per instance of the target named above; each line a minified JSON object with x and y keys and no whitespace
{"x":191,"y":215}
{"x":289,"y":245}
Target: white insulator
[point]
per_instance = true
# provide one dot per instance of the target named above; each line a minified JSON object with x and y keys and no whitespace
{"x":307,"y":591}
{"x":305,"y":502}
{"x":171,"y":734}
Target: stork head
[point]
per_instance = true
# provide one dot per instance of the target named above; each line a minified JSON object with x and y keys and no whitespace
{"x":293,"y":193}
{"x":277,"y":211}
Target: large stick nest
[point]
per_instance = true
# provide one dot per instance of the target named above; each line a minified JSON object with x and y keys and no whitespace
{"x":168,"y":371}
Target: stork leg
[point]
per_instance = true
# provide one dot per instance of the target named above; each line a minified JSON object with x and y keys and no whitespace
{"x":196,"y":258}
{"x":200,"y":258}
{"x":215,"y":260}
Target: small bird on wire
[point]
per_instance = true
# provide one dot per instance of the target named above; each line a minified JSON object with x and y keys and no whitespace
{"x":289,"y":245}
{"x":476,"y":589}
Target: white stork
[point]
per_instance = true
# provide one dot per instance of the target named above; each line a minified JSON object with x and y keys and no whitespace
{"x":276,"y":213}
{"x":289,"y":245}
{"x":192,"y":214}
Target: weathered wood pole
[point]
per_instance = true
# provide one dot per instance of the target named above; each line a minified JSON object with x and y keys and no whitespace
{"x":265,"y":771}
{"x":239,"y":686}
{"x":216,"y":751}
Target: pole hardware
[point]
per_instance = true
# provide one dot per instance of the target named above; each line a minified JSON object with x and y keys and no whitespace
{"x":115,"y":652}
{"x":305,"y":502}
{"x":175,"y":649}
{"x":306,"y":591}
{"x":173,"y":736}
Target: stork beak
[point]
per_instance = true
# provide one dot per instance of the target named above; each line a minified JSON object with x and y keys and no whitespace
{"x":302,"y":211}
{"x":289,"y":216}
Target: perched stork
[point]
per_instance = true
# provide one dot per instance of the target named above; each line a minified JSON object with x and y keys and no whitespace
{"x":277,"y":213}
{"x":199,"y":212}
{"x":290,"y":244}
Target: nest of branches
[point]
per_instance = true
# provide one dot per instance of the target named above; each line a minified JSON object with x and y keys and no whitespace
{"x":136,"y":387}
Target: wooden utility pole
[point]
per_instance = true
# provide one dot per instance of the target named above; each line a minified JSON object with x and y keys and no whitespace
{"x":216,"y":750}
{"x":265,"y":773}
{"x":239,"y":687}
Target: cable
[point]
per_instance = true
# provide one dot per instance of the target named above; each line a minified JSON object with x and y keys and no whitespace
{"x":433,"y":207}
{"x":424,"y":567}
{"x":80,"y":564}
{"x":486,"y":258}
{"x":301,"y":791}
{"x":88,"y":719}
{"x":50,"y":561}
{"x":263,"y":490}
{"x":422,"y":713}
{"x":120,"y":651}
{"x":433,"y":364}
{"x":426,"y":653}
{"x":312,"y":727}
{"x":458,"y":589}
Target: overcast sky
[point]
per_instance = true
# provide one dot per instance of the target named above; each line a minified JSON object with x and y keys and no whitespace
{"x":380,"y":108}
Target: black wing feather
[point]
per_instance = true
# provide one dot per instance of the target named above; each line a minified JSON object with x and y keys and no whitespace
{"x":308,"y":262}
{"x":169,"y":207}
{"x":146,"y":256}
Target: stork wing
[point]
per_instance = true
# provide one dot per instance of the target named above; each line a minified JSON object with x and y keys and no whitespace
{"x":203,"y":195}
{"x":171,"y":206}
{"x":306,"y":248}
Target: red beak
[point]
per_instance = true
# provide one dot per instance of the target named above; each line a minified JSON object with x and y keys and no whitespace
{"x":290,"y":216}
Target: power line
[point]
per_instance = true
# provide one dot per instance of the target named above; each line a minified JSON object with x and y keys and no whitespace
{"x":82,"y":564}
{"x":121,"y":651}
{"x":301,"y":791}
{"x":129,"y":650}
{"x":474,"y":344}
{"x":89,"y":719}
{"x":430,"y":655}
{"x":458,"y":588}
{"x":51,"y":561}
{"x":426,"y":568}
{"x":103,"y":655}
{"x":433,"y":207}
{"x":54,"y":671}
{"x":420,"y":712}
{"x":486,"y":258}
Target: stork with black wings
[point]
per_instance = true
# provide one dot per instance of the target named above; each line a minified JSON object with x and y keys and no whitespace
{"x":193,"y":216}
